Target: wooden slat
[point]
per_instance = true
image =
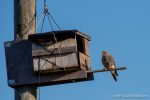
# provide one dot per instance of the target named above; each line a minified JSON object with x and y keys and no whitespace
{"x":67,"y":60}
{"x":59,"y":34}
{"x":39,"y":64}
{"x":64,"y":43}
{"x":50,"y":52}
{"x":52,"y":79}
{"x":83,"y":35}
{"x":65,"y":46}
{"x":56,"y":63}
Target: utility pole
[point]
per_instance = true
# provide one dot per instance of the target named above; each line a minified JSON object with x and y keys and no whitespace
{"x":24,"y":18}
{"x":24,"y":24}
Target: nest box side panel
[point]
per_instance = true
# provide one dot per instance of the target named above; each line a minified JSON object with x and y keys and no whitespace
{"x":86,"y":46}
{"x":18,"y":61}
{"x":84,"y":61}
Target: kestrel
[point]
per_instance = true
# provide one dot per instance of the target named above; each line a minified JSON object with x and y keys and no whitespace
{"x":109,"y":63}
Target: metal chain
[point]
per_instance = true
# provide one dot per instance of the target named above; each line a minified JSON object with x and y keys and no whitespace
{"x":50,"y":15}
{"x":39,"y":79}
{"x":38,"y":23}
{"x":56,"y":42}
{"x":43,"y":23}
{"x":47,"y":13}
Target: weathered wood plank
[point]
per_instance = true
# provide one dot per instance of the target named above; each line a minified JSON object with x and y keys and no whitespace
{"x":86,"y":47}
{"x":83,"y":35}
{"x":56,"y":63}
{"x":84,"y":61}
{"x":49,"y":52}
{"x":67,"y":60}
{"x":64,"y":43}
{"x":64,"y":46}
{"x":51,"y":79}
{"x":43,"y":65}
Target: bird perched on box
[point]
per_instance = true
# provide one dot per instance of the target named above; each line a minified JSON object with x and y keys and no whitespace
{"x":109,"y":63}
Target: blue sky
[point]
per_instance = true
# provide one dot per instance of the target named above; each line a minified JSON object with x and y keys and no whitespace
{"x":121,"y":27}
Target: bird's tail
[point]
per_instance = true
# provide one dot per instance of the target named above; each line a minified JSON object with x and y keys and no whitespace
{"x":113,"y":73}
{"x":116,"y":72}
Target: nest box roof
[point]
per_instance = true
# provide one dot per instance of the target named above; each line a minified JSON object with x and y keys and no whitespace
{"x":62,"y":33}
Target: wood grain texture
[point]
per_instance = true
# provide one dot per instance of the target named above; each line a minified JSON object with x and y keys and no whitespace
{"x":24,"y":24}
{"x":86,"y":47}
{"x":84,"y":61}
{"x":50,"y":52}
{"x":63,"y":46}
{"x":56,"y":63}
{"x":24,"y":18}
{"x":25,"y":93}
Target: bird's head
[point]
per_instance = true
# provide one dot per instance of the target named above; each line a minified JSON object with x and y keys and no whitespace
{"x":104,"y":53}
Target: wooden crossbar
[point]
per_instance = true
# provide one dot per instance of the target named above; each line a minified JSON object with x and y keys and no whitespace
{"x":105,"y":70}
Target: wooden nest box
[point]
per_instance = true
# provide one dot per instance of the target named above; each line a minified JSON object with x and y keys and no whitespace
{"x":60,"y":51}
{"x":57,"y":56}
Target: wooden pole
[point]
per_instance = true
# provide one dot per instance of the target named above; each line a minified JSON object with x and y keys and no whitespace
{"x":24,"y":18}
{"x":24,"y":24}
{"x":26,"y":93}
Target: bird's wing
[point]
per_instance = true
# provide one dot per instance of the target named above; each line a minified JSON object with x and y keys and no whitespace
{"x":112,"y":61}
{"x":105,"y":61}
